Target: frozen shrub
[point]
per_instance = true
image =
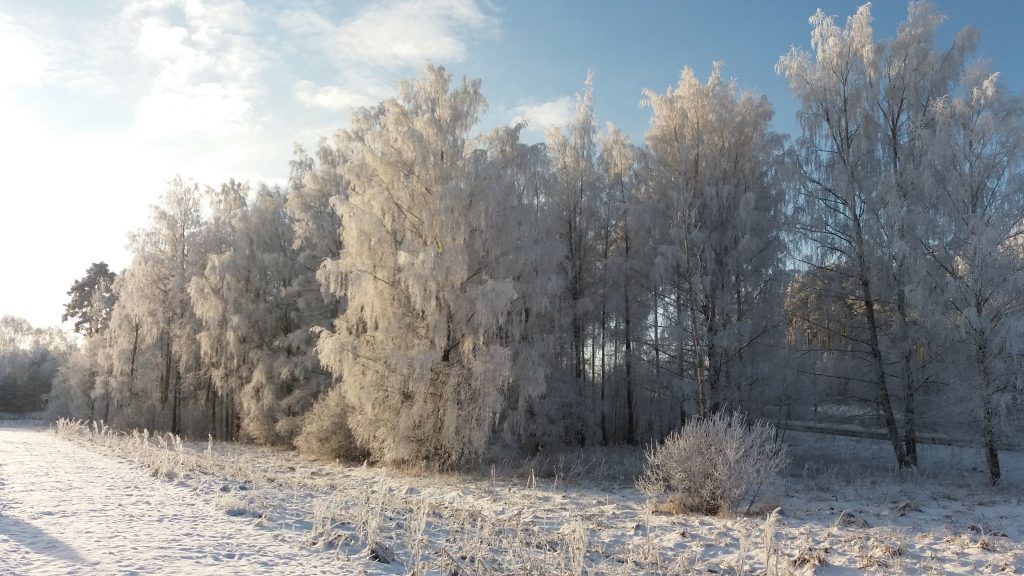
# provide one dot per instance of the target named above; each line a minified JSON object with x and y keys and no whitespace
{"x":325,"y":433}
{"x":713,"y":465}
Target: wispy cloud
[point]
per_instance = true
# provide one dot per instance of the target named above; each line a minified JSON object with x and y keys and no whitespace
{"x":385,"y":39}
{"x":25,"y":65}
{"x":337,"y":97}
{"x":541,"y":116}
{"x":204,"y":66}
{"x":25,"y":62}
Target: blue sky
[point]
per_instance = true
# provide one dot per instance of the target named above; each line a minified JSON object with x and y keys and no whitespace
{"x":103,"y":101}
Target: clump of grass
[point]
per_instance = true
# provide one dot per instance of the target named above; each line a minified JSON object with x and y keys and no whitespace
{"x":232,"y":505}
{"x":881,"y":550}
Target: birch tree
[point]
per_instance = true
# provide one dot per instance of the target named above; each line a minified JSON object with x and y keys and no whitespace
{"x":716,"y":169}
{"x":430,"y":333}
{"x":869,"y":115}
{"x":315,"y":185}
{"x":622,"y":265}
{"x":154,"y":317}
{"x":977,"y":169}
{"x":839,"y":192}
{"x":574,"y":196}
{"x":905,"y":77}
{"x":255,"y":342}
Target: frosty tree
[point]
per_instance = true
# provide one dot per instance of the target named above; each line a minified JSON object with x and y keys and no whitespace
{"x":905,"y":77}
{"x":430,"y":333}
{"x":620,"y":266}
{"x":839,"y":196}
{"x":715,"y":171}
{"x":574,"y":194}
{"x":153,"y":326}
{"x":866,"y":210}
{"x":256,"y":340}
{"x":977,"y":197}
{"x":29,"y":360}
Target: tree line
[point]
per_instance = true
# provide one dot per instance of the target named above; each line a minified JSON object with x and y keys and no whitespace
{"x":29,"y":360}
{"x":420,"y":292}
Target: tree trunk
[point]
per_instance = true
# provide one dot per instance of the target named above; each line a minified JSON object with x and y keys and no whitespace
{"x":657,"y":341}
{"x":165,"y":376}
{"x":714,"y":375}
{"x":909,"y":408}
{"x":988,"y":415}
{"x":213,"y":416}
{"x":131,"y":365}
{"x":699,"y":374}
{"x":878,"y":363}
{"x":604,"y":329}
{"x":175,"y":423}
{"x":227,"y":404}
{"x":628,"y":348}
{"x":579,"y":364}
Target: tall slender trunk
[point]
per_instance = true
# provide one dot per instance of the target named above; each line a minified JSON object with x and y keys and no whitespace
{"x":699,"y":374}
{"x":988,"y":414}
{"x":579,"y":373}
{"x":714,"y":375}
{"x":902,"y":316}
{"x":909,"y":404}
{"x":213,"y":416}
{"x":227,"y":404}
{"x":593,"y":357}
{"x":604,"y":411}
{"x":613,"y":423}
{"x":576,"y":323}
{"x":628,"y":347}
{"x":589,"y":389}
{"x":604,"y":329}
{"x":131,"y":365}
{"x":878,"y":363}
{"x":165,"y":376}
{"x":175,"y":419}
{"x":657,"y":340}
{"x":579,"y":364}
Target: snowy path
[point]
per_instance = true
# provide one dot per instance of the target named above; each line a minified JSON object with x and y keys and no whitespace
{"x":68,"y":510}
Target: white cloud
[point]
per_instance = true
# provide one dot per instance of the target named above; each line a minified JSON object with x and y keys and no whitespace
{"x":159,"y":40}
{"x":25,"y":62}
{"x":544,"y":115}
{"x":332,"y":97}
{"x":395,"y":35}
{"x":403,"y":34}
{"x":209,"y":109}
{"x":383,"y":40}
{"x":204,"y":79}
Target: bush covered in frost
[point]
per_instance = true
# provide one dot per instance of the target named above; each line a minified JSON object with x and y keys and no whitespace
{"x":325,"y":433}
{"x":713,"y":465}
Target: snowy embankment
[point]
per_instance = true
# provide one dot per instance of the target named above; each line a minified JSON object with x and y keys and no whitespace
{"x":108,"y":503}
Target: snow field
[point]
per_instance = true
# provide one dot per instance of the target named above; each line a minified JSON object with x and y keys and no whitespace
{"x":262,"y":510}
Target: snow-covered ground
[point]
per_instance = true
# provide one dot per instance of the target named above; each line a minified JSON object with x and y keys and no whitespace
{"x":67,"y":508}
{"x":112,"y":504}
